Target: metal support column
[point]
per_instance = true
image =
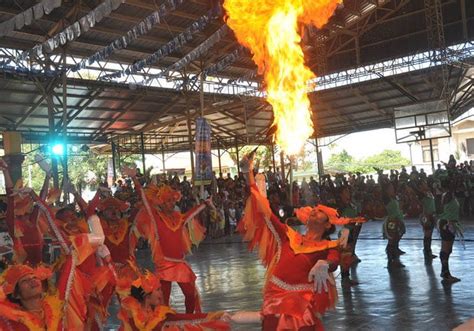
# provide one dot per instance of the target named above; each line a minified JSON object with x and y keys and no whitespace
{"x":52,"y":136}
{"x":437,"y":43}
{"x":64,"y":119}
{"x":431,"y":156}
{"x":238,"y":157}
{"x":319,"y":158}
{"x":190,"y":138}
{"x":142,"y":149}
{"x":119,"y":162}
{"x":282,"y":166}
{"x":273,"y":158}
{"x":163,"y":158}
{"x":219,"y":157}
{"x":113,"y":161}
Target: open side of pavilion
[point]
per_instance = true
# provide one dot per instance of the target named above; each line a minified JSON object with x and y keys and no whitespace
{"x":372,"y":57}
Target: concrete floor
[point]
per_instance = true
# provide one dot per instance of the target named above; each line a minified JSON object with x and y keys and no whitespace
{"x":412,"y":298}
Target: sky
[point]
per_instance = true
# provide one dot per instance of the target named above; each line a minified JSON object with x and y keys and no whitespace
{"x":363,"y":144}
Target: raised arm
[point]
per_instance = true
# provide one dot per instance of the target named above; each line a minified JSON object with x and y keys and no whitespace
{"x":50,"y":217}
{"x":43,"y":194}
{"x":259,"y":201}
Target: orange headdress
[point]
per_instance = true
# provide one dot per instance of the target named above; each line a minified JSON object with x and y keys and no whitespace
{"x":15,"y":273}
{"x":304,"y":213}
{"x":151,"y":193}
{"x":113,"y":203}
{"x":166,"y":193}
{"x":132,"y":276}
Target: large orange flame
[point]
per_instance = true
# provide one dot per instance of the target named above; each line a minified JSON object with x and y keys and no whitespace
{"x":269,"y":28}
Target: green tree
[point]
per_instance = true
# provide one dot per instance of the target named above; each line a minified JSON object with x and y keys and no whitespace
{"x":85,"y":169}
{"x":386,"y":160}
{"x":340,"y":162}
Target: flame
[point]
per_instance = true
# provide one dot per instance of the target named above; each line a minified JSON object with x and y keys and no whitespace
{"x":269,"y":28}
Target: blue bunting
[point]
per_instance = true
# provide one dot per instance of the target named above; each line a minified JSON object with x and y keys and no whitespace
{"x":134,"y":33}
{"x":173,"y":45}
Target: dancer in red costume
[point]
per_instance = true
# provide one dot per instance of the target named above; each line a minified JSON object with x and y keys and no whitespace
{"x":171,"y":236}
{"x":73,"y":306}
{"x":87,"y":276}
{"x":23,"y":220}
{"x":24,"y":303}
{"x":299,"y":287}
{"x":143,"y":308}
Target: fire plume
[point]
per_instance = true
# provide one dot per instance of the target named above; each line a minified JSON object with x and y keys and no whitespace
{"x":271,"y":30}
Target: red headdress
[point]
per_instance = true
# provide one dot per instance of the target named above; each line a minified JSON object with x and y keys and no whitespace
{"x":304,"y":213}
{"x":151,"y":193}
{"x":15,"y":273}
{"x":166,"y":193}
{"x":111,"y":202}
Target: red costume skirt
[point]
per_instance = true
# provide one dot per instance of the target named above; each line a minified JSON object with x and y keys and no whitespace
{"x":297,"y":305}
{"x":175,"y":271}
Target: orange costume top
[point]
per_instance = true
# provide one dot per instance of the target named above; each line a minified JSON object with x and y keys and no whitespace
{"x":83,"y":281}
{"x":118,"y":241}
{"x":289,"y":259}
{"x":175,"y":235}
{"x":13,"y":317}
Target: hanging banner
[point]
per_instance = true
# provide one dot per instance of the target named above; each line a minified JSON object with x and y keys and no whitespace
{"x":73,"y":31}
{"x":28,"y":16}
{"x":133,"y":34}
{"x":203,"y":170}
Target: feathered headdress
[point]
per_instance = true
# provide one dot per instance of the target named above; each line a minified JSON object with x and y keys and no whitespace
{"x":151,"y":193}
{"x":15,"y":273}
{"x":132,"y":276}
{"x":166,"y":193}
{"x":113,"y":203}
{"x":304,"y":213}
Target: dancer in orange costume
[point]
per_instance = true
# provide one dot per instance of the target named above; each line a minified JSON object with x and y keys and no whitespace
{"x":299,"y":286}
{"x":86,"y":271}
{"x":25,"y":225}
{"x":171,"y":236}
{"x":143,"y":308}
{"x":119,"y":237}
{"x":24,"y":304}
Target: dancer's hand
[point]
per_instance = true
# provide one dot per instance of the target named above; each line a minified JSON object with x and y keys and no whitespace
{"x":41,"y":160}
{"x":226,"y":317}
{"x":344,"y":238}
{"x":68,"y":187}
{"x":246,"y":164}
{"x":129,"y":171}
{"x":103,"y":252}
{"x":319,"y":274}
{"x":22,"y":192}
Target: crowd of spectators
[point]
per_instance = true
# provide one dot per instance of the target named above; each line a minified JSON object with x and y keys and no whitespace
{"x":229,"y":193}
